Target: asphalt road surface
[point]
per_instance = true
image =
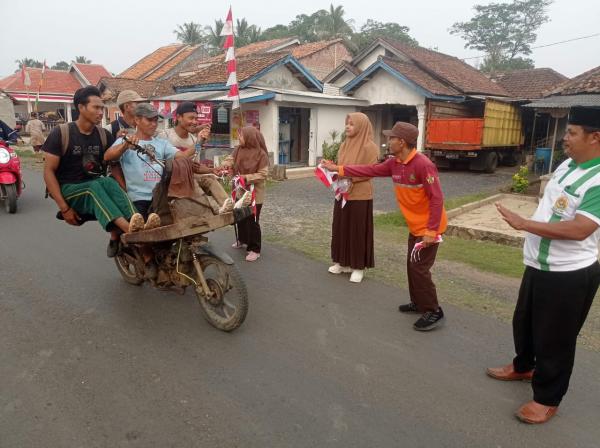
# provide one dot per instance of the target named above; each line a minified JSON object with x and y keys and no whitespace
{"x":87,"y":360}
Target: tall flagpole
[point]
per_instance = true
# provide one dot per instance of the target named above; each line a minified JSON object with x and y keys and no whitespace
{"x":232,"y":83}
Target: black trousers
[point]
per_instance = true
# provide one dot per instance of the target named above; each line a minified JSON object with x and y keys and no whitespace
{"x":550,"y":312}
{"x":249,"y":232}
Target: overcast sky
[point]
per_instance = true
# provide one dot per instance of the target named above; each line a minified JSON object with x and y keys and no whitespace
{"x":116,"y":33}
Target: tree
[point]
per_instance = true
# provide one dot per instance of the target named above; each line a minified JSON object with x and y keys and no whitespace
{"x":82,"y":60}
{"x":214,"y":40}
{"x":333,"y":25}
{"x":29,"y":62}
{"x":276,"y":32}
{"x":307,"y":28}
{"x":190,"y":33}
{"x":61,"y":65}
{"x":245,"y":34}
{"x":504,"y":31}
{"x":373,"y":29}
{"x":518,"y":63}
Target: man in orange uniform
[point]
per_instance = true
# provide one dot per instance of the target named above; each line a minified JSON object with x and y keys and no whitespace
{"x":421,"y":201}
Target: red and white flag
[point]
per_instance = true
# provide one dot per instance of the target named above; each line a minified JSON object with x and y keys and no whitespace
{"x":229,"y":47}
{"x":25,"y":76}
{"x":340,"y":187}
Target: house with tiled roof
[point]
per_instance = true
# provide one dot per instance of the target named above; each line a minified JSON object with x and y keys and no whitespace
{"x":56,"y":93}
{"x":583,"y":90}
{"x":529,"y":84}
{"x":277,"y":93}
{"x":319,"y":57}
{"x":405,"y":82}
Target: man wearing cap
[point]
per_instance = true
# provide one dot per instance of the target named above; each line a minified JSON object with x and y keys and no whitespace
{"x":126,"y":102}
{"x":141,"y":174}
{"x":562,"y":273}
{"x":420,"y":199}
{"x":123,"y":125}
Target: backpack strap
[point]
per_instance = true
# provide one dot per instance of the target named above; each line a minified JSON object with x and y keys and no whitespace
{"x":103,"y":138}
{"x":64,"y":137}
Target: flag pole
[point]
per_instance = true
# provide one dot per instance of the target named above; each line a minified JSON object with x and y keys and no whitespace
{"x":232,"y":82}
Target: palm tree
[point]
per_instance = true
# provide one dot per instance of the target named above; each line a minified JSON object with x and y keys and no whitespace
{"x":214,"y":41}
{"x":246,"y":34}
{"x":189,"y":33}
{"x":334,"y":25}
{"x":82,"y":60}
{"x":29,"y":62}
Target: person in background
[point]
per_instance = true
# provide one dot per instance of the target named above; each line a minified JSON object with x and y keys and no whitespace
{"x":35,"y":128}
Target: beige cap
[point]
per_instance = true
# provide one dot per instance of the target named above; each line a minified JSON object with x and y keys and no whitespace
{"x":128,"y":96}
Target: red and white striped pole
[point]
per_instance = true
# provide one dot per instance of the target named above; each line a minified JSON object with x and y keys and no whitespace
{"x":229,"y":47}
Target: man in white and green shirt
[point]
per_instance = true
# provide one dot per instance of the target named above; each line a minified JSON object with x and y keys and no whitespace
{"x":562,"y":272}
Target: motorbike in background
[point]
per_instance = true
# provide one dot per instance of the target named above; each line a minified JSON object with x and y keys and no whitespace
{"x":11,"y":180}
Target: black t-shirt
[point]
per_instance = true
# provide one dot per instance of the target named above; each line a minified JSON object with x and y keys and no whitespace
{"x":82,"y":149}
{"x":117,"y":125}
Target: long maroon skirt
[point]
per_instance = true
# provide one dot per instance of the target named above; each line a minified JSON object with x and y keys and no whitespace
{"x":352,"y":234}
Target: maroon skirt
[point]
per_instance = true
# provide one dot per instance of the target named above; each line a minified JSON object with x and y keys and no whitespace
{"x":352,"y":234}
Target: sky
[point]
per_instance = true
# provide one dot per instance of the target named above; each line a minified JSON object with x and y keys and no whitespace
{"x":117,"y":33}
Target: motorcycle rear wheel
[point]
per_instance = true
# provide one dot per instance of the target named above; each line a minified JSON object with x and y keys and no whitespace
{"x":10,"y":203}
{"x":227,"y":307}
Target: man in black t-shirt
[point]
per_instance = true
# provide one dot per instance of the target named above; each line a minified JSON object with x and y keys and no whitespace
{"x":74,"y":174}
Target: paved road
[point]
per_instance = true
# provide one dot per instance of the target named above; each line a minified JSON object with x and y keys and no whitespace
{"x":89,"y":361}
{"x":454,"y":183}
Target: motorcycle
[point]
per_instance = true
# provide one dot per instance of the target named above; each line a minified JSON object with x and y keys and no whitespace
{"x":184,"y":258}
{"x":11,"y":181}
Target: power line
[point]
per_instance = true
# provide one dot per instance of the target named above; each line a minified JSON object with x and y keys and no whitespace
{"x":543,"y":46}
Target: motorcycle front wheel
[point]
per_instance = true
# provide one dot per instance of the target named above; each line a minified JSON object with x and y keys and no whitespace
{"x":10,"y":202}
{"x":227,"y":305}
{"x":126,"y":267}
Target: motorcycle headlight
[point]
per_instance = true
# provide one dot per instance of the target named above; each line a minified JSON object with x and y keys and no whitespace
{"x":4,"y":156}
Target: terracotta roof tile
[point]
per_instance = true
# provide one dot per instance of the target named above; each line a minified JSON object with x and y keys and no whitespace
{"x":151,"y":61}
{"x":248,"y":50}
{"x":529,"y":83}
{"x":55,"y":81}
{"x":172,"y":63}
{"x":113,"y":86}
{"x":310,"y":48}
{"x":588,"y":82}
{"x":217,"y":73}
{"x":421,"y":77}
{"x":452,"y":70}
{"x":93,"y":72}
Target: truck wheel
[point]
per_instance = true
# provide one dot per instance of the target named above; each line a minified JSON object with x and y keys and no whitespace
{"x":490,"y":162}
{"x":442,"y":163}
{"x":510,"y":160}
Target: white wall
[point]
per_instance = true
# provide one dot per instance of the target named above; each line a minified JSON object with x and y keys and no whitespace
{"x":280,"y":77}
{"x":344,"y":79}
{"x":371,"y":58}
{"x":383,"y":88}
{"x":7,"y":111}
{"x":329,"y":118}
{"x":268,"y":116}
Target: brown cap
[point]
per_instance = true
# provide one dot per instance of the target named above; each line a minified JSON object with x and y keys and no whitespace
{"x":405,"y":131}
{"x":129,"y":96}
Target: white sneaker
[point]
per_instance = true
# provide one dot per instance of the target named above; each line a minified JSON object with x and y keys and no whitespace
{"x":357,"y":275}
{"x":337,"y":269}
